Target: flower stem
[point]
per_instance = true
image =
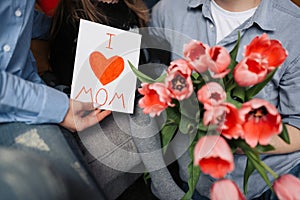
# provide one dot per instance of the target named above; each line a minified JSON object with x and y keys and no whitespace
{"x":254,"y":155}
{"x":267,"y":168}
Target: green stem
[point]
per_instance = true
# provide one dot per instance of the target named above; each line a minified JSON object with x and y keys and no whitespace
{"x":266,"y":167}
{"x":253,"y":154}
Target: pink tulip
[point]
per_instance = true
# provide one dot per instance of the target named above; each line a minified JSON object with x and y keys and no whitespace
{"x":220,"y":60}
{"x":226,"y":117}
{"x":250,"y":71}
{"x":214,"y":115}
{"x":261,"y":121}
{"x":287,"y":187}
{"x":178,"y":80}
{"x":196,"y":53}
{"x":155,"y":98}
{"x":226,"y":189}
{"x":213,"y":155}
{"x":211,"y":93}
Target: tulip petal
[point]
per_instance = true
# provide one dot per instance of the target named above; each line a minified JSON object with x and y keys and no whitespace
{"x":214,"y":156}
{"x":261,"y":122}
{"x":226,"y":189}
{"x":287,"y":187}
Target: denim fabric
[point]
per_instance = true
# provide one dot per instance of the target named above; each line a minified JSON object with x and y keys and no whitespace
{"x":26,"y":176}
{"x":23,"y":97}
{"x":48,"y":145}
{"x":269,"y":195}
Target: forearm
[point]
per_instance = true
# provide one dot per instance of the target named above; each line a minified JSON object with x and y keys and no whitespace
{"x":282,"y":147}
{"x":31,"y":102}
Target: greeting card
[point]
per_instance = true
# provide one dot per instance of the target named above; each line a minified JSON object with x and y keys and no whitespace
{"x":102,"y":74}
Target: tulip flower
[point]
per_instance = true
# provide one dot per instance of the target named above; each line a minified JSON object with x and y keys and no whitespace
{"x":225,"y":189}
{"x":250,"y":71}
{"x":220,"y":60}
{"x":213,"y":155}
{"x":155,"y":100}
{"x":226,"y":117}
{"x":178,"y":80}
{"x":287,"y":187}
{"x":211,"y":93}
{"x":270,"y":50}
{"x":261,"y":121}
{"x":197,"y":54}
{"x":262,"y":55}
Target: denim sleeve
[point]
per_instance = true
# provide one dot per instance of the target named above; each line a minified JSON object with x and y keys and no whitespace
{"x":289,"y":94}
{"x":41,"y":26}
{"x":31,"y":102}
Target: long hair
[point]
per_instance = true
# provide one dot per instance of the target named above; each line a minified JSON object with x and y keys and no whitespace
{"x":86,"y":9}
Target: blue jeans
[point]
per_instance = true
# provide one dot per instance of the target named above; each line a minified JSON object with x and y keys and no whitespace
{"x":38,"y":162}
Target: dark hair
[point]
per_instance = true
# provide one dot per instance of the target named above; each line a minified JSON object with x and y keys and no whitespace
{"x":86,"y":9}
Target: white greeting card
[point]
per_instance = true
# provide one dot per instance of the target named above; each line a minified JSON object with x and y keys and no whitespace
{"x":102,"y":74}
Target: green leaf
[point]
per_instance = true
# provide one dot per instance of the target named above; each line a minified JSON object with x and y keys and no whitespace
{"x":256,"y":162}
{"x":161,"y":78}
{"x":142,"y":77}
{"x":230,"y":85}
{"x":202,"y":127}
{"x":173,"y":115}
{"x":167,"y":134}
{"x":284,"y":135}
{"x":197,"y":82}
{"x":238,"y":93}
{"x":251,"y":92}
{"x":193,"y":171}
{"x":187,"y":125}
{"x":146,"y":177}
{"x":265,"y":148}
{"x":232,"y":101}
{"x":189,"y":107}
{"x":234,"y":52}
{"x":233,"y":55}
{"x":195,"y":75}
{"x":248,"y":171}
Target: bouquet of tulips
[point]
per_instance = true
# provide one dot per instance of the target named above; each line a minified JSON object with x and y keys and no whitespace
{"x":211,"y":97}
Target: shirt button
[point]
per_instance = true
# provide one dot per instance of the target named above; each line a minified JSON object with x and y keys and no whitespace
{"x":211,"y":26}
{"x":6,"y":48}
{"x":18,"y":13}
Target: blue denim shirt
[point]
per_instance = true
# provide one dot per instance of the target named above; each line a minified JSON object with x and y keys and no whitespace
{"x":183,"y":20}
{"x":23,"y":96}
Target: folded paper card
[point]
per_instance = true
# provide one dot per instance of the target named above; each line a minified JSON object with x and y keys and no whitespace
{"x":102,"y":74}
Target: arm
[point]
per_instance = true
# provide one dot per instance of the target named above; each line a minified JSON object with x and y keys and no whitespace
{"x":288,"y":106}
{"x":31,"y":102}
{"x":36,"y":103}
{"x":41,"y":25}
{"x":282,"y":147}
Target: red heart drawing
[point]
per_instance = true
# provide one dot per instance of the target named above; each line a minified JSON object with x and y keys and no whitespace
{"x":106,"y":70}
